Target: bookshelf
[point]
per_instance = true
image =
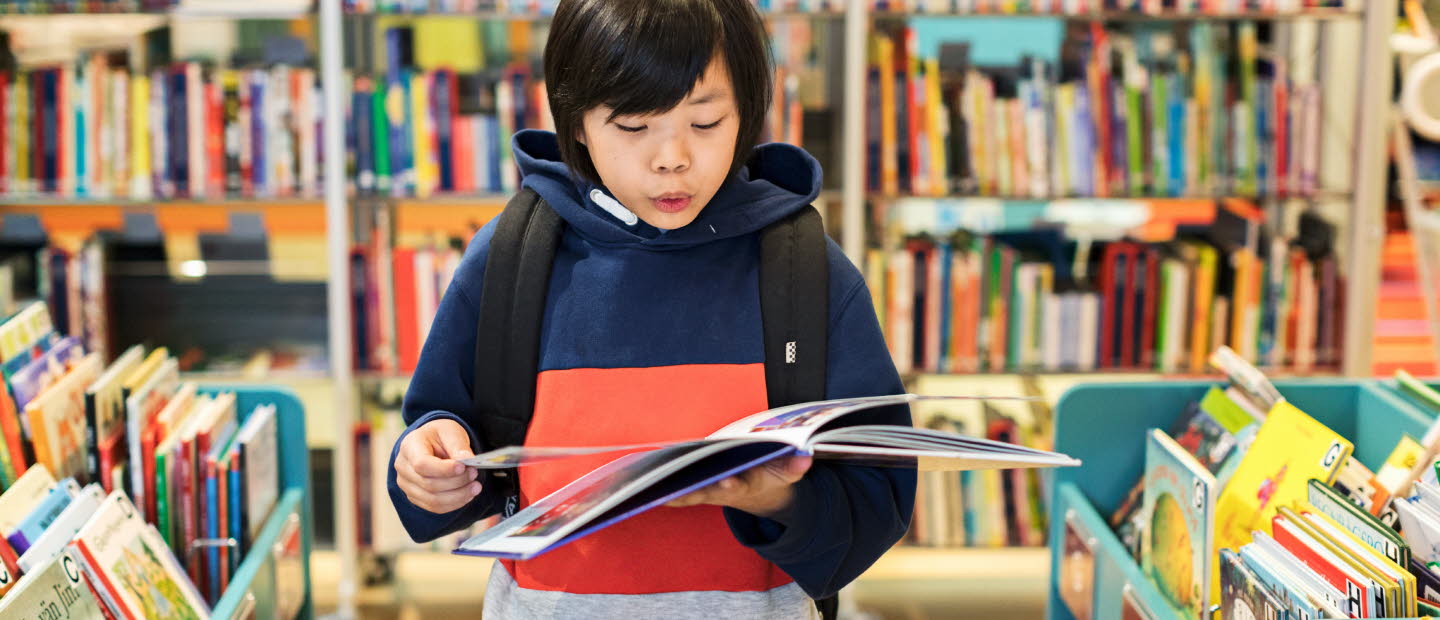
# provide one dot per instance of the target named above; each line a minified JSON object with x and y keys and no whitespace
{"x":331,"y":213}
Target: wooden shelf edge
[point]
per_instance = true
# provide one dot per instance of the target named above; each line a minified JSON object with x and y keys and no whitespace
{"x":912,"y":563}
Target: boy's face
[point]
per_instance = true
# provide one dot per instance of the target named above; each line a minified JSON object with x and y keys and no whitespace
{"x":666,"y":167}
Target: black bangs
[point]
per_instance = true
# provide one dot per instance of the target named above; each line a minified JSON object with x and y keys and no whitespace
{"x":645,"y":56}
{"x":656,"y":61}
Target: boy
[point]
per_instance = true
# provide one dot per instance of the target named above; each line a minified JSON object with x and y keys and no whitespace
{"x":652,"y":332}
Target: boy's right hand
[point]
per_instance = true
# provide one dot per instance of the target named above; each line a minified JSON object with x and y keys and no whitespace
{"x":428,"y":469}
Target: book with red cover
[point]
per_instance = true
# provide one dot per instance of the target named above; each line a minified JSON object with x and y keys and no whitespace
{"x":906,"y":54}
{"x":186,"y":489}
{"x":1285,"y":533}
{"x":10,"y":565}
{"x":934,"y":292}
{"x":1151,"y":260}
{"x":407,"y":334}
{"x":215,"y":138}
{"x":1131,"y":278}
{"x":1109,"y":302}
{"x":149,"y":439}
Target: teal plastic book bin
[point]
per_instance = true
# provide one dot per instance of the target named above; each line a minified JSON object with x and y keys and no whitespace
{"x":272,"y":569}
{"x":1104,"y":426}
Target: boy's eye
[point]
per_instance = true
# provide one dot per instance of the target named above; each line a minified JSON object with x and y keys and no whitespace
{"x":628,"y":129}
{"x":709,"y":126}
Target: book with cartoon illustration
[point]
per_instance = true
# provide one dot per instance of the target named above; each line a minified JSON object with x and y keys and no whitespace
{"x":1180,"y":508}
{"x":648,"y":475}
{"x":133,"y":571}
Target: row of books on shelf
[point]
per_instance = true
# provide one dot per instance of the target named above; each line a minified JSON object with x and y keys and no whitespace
{"x":418,"y":133}
{"x":95,"y":130}
{"x":1082,"y":7}
{"x":1194,"y":112}
{"x":198,"y":469}
{"x":1017,"y":301}
{"x":1248,"y":503}
{"x":546,"y":8}
{"x":983,"y":508}
{"x":395,"y":294}
{"x":44,"y":7}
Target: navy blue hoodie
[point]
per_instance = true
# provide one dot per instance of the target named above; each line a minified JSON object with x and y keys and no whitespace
{"x":655,"y":335}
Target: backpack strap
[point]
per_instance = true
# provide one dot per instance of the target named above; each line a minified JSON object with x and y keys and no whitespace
{"x":507,"y":338}
{"x":795,"y":313}
{"x":794,"y":307}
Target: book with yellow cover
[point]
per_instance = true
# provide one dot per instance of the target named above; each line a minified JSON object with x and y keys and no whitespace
{"x":1290,"y":449}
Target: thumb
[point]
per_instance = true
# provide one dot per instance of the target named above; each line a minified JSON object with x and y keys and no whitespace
{"x":798,"y":465}
{"x":454,"y":441}
{"x":792,"y":469}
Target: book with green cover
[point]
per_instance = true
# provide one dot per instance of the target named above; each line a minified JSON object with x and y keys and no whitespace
{"x":380,"y":123}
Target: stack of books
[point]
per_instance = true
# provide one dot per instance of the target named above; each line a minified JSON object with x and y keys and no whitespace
{"x":196,"y":467}
{"x":1248,"y":503}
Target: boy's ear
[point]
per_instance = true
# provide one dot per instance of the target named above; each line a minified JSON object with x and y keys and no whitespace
{"x":580,"y":136}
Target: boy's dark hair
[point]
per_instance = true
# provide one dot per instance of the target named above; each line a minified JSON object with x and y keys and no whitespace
{"x":645,"y":56}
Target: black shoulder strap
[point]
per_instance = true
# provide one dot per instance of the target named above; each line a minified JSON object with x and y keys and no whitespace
{"x":512,"y":304}
{"x":794,"y":307}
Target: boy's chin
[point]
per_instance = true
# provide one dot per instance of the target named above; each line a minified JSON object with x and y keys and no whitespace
{"x":669,"y":221}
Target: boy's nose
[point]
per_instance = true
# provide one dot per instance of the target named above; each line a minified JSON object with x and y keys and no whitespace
{"x":673,"y":156}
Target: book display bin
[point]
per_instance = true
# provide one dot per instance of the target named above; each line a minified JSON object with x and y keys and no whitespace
{"x":1104,"y":426}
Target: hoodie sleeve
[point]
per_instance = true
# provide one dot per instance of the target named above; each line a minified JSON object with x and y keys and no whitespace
{"x":441,"y":388}
{"x":843,"y":517}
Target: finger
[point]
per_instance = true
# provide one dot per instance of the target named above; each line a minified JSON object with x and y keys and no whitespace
{"x":448,"y":501}
{"x":442,"y":485}
{"x":454,"y":441}
{"x":431,"y":466}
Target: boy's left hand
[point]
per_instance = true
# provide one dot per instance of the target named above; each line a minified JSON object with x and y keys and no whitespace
{"x":763,"y":491}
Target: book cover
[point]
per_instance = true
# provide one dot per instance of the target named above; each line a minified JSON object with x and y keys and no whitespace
{"x":53,"y":540}
{"x":43,"y":515}
{"x":1242,"y":594}
{"x":56,"y":589}
{"x":22,"y":497}
{"x":1179,"y":500}
{"x":57,"y":418}
{"x":141,"y":406}
{"x":1362,"y":524}
{"x":651,"y":477}
{"x":130,"y":563}
{"x":9,"y":568}
{"x":259,"y":456}
{"x":104,"y":413}
{"x":1290,"y":449}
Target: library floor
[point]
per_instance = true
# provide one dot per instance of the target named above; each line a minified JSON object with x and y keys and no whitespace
{"x":907,"y":584}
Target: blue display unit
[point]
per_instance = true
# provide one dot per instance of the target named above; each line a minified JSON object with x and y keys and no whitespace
{"x":277,"y":567}
{"x":1104,"y":426}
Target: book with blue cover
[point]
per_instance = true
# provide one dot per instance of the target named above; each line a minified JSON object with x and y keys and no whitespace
{"x":1179,"y":504}
{"x":44,"y":514}
{"x":651,"y":475}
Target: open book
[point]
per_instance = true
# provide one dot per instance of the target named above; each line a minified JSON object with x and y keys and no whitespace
{"x":650,"y":475}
